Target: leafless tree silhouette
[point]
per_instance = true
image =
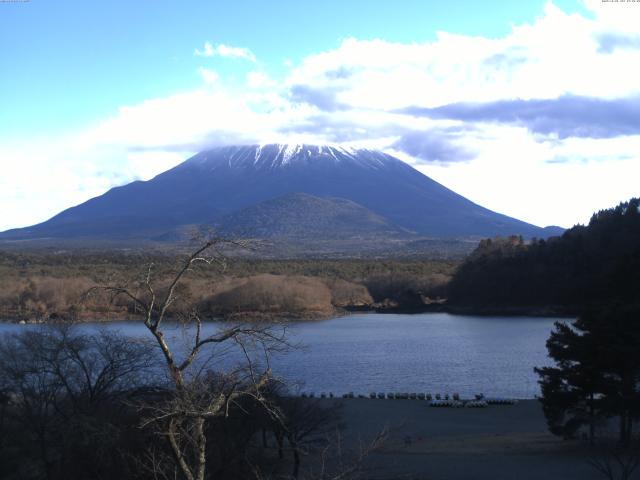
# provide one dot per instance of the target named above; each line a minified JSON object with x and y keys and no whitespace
{"x":199,"y":396}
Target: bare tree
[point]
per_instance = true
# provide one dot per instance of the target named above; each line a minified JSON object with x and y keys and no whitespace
{"x":332,"y":460}
{"x":338,"y":464}
{"x":312,"y":429}
{"x":616,"y":462}
{"x":196,"y":399}
{"x":305,"y":425}
{"x":57,"y":381}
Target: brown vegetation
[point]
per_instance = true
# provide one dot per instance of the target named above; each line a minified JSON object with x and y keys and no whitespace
{"x":41,"y":287}
{"x":268,"y":293}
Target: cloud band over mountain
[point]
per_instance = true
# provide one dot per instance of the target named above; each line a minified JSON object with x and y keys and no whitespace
{"x":567,"y":116}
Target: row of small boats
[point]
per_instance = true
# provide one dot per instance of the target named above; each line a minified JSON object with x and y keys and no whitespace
{"x":436,"y":400}
{"x":459,"y":403}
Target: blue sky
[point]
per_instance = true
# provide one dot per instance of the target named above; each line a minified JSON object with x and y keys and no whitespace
{"x":96,"y":94}
{"x":74,"y":62}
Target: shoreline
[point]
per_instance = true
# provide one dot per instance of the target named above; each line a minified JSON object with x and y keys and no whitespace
{"x":238,"y":317}
{"x":316,"y":316}
{"x":497,"y":311}
{"x":289,"y":317}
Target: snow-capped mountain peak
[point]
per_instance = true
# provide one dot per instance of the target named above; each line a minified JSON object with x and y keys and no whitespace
{"x":313,"y":185}
{"x":280,"y":155}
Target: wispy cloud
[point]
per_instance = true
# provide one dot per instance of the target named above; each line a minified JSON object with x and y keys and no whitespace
{"x":566,"y":116}
{"x":222,"y":50}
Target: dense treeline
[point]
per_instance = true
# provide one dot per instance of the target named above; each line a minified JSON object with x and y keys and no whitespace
{"x":587,"y":265}
{"x":98,"y":266}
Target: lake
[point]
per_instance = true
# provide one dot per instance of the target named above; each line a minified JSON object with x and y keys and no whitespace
{"x":430,"y":353}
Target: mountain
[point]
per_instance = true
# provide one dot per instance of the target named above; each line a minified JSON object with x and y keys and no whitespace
{"x":249,"y":188}
{"x":299,"y":215}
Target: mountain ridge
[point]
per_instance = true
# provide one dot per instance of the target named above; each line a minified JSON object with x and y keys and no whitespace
{"x":215,"y":184}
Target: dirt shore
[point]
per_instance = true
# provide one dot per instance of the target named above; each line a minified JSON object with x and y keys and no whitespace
{"x":497,"y":442}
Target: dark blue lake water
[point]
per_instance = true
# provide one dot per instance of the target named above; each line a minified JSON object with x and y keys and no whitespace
{"x":435,"y":352}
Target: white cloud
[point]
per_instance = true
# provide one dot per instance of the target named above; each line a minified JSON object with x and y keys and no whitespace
{"x":512,"y":174}
{"x":358,"y":93}
{"x":257,"y":79}
{"x":222,"y":50}
{"x":209,"y":76}
{"x":623,"y":16}
{"x":556,"y":55}
{"x":45,"y":176}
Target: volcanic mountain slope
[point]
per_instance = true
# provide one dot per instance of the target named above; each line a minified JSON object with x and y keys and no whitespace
{"x":299,"y":215}
{"x":366,"y":190}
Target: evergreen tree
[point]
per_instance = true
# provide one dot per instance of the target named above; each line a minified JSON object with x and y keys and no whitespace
{"x":572,"y":391}
{"x":597,"y":372}
{"x":617,"y":329}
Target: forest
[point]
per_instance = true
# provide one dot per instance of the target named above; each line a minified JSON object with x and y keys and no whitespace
{"x":588,"y":266}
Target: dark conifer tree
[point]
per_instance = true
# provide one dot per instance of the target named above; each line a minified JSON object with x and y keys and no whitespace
{"x":572,"y":391}
{"x":597,"y":372}
{"x":617,"y":329}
